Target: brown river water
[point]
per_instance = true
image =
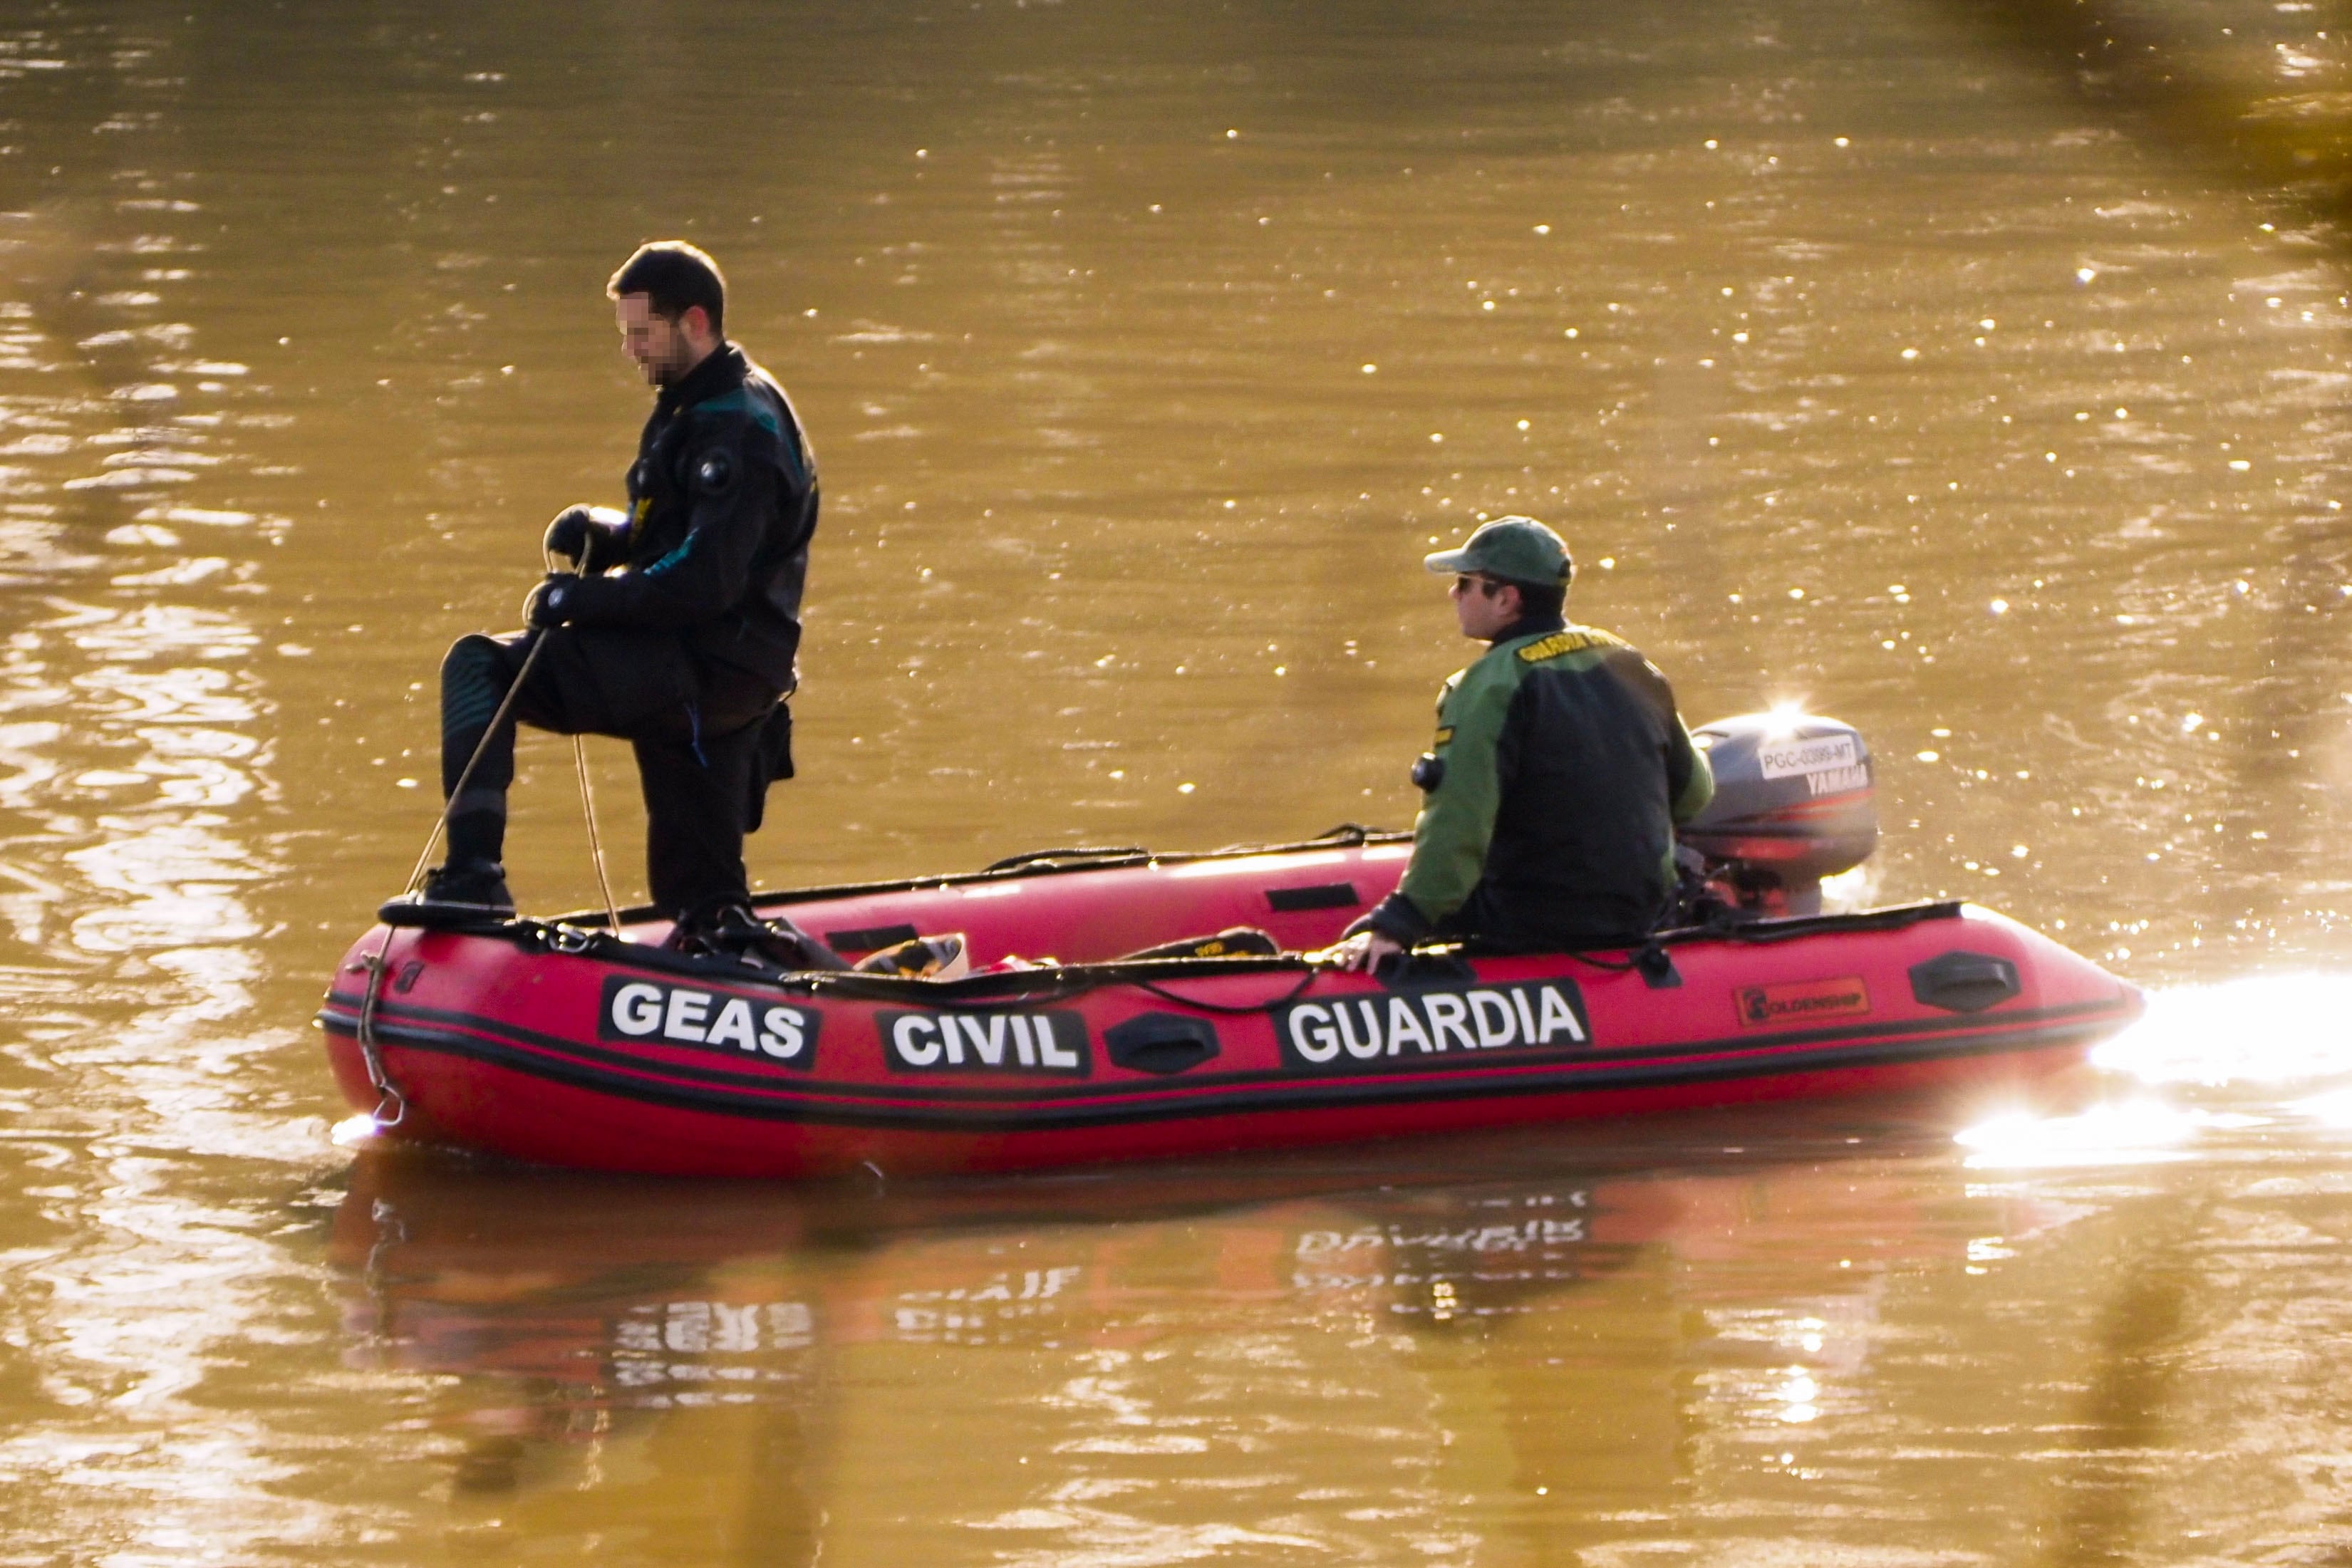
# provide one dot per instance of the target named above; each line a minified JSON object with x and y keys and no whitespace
{"x":1974,"y":370}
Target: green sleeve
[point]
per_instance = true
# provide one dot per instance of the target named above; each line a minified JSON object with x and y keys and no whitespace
{"x":1688,"y":776}
{"x":1457,"y":820}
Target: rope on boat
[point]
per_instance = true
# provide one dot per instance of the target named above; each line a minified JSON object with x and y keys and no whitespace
{"x":370,"y":1047}
{"x":595,"y":843}
{"x":1031,"y":987}
{"x":580,"y":764}
{"x":1268,"y":1005}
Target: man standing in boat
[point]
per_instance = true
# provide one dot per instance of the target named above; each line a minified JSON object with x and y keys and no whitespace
{"x":1559,"y":771}
{"x":680,"y":633}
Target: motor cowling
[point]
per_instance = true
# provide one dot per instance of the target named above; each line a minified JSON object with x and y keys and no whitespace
{"x":1793,"y":803}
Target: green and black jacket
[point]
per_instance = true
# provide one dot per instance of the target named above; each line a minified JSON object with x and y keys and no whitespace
{"x":1559,"y":771}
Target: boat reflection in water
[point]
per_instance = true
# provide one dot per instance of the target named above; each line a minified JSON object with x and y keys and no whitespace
{"x":1069,"y":1360}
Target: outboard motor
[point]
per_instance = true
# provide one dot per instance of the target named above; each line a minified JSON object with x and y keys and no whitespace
{"x":1792,"y":805}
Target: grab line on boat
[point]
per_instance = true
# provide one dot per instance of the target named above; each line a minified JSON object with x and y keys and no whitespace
{"x":486,"y":1039}
{"x":972,"y":1112}
{"x":1227,"y":1009}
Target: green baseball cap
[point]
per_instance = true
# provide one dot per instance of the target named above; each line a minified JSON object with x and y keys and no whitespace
{"x":1517,"y":549}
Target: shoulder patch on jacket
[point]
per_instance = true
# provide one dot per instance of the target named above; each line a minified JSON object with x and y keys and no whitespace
{"x":714,"y":475}
{"x":1574,"y":640}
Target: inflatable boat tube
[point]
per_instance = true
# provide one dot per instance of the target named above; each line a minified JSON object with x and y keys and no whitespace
{"x":563,"y":1043}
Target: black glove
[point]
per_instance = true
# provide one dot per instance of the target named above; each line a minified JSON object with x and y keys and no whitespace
{"x":545,"y":606}
{"x":567,"y":536}
{"x":577,"y":531}
{"x":1396,"y":917}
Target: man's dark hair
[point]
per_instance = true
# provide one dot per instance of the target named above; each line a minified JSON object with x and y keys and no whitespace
{"x":675,"y":277}
{"x":1539,"y":598}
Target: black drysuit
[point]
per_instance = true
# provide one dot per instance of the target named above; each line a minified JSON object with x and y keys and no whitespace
{"x":680,"y":637}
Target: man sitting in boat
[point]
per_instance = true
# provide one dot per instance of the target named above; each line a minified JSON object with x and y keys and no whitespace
{"x":1559,"y":771}
{"x":679,"y":634}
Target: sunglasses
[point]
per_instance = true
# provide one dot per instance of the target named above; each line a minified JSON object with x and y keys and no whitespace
{"x":1486,"y":587}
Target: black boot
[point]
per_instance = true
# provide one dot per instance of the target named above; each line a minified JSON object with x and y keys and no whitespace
{"x":463,"y":892}
{"x":730,"y":929}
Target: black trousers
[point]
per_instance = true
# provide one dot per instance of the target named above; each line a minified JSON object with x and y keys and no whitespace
{"x":695,"y":726}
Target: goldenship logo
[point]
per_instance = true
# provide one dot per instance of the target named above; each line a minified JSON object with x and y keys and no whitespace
{"x":1803,"y":1001}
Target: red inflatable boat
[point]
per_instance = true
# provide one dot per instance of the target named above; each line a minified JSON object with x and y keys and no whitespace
{"x":564,"y":1042}
{"x":556,"y":1042}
